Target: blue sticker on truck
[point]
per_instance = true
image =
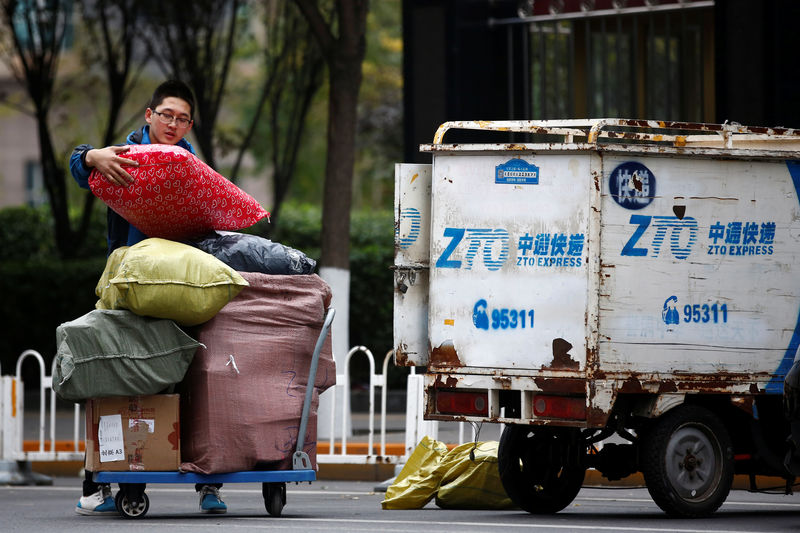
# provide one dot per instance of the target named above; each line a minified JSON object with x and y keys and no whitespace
{"x":516,"y":172}
{"x":632,"y":185}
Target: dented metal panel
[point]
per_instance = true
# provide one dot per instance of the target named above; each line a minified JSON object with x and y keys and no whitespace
{"x":412,"y":253}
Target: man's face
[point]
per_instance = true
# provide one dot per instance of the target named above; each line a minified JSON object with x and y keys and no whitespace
{"x":161,"y":133}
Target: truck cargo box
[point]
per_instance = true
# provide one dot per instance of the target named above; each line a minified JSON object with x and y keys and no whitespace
{"x":598,"y":275}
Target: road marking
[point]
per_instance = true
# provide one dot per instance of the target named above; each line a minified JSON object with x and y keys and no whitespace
{"x":154,"y":488}
{"x":414,"y":526}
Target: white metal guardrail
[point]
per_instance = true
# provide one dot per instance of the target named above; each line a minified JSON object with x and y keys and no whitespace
{"x":12,"y":408}
{"x":13,"y":417}
{"x":415,"y":426}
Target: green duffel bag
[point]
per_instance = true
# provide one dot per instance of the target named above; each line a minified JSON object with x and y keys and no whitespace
{"x":119,"y":353}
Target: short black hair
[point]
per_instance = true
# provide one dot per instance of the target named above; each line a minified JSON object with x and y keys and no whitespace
{"x":174,"y":88}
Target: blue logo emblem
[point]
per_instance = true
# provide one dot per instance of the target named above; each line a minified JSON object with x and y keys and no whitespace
{"x":632,"y":185}
{"x":517,"y":172}
{"x":479,"y":316}
{"x":670,"y":314}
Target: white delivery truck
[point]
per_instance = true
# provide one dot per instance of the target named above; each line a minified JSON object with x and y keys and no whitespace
{"x":623,"y":295}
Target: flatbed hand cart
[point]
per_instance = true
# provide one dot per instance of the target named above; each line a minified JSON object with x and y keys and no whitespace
{"x":132,"y":502}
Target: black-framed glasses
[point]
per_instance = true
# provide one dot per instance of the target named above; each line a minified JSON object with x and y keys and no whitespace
{"x":166,"y":118}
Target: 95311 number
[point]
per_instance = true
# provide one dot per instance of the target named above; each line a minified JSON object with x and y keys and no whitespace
{"x":512,"y":318}
{"x":705,"y":313}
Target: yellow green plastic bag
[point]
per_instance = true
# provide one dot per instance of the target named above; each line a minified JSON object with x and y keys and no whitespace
{"x":416,"y":484}
{"x":110,"y":297}
{"x":455,"y":479}
{"x":469,"y":483}
{"x":167,"y":279}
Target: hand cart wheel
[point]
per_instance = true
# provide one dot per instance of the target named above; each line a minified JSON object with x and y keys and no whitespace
{"x":130,"y":509}
{"x":274,"y":497}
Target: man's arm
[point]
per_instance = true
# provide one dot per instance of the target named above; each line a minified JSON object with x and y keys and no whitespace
{"x":77,"y":165}
{"x":107,"y":161}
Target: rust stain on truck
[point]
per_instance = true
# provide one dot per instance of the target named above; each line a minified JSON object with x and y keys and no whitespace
{"x":445,"y":382}
{"x":561,"y":357}
{"x":401,"y":357}
{"x":561,"y":385}
{"x":445,"y":355}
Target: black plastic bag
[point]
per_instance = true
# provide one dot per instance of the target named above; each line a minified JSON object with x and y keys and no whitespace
{"x":251,"y":253}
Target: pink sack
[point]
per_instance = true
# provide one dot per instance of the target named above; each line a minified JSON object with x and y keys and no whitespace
{"x":175,"y":195}
{"x":242,"y":397}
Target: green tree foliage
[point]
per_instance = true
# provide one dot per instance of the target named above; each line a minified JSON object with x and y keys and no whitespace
{"x":195,"y":42}
{"x":379,"y":143}
{"x":116,"y":48}
{"x":293,"y":73}
{"x":341,"y":35}
{"x":31,"y":39}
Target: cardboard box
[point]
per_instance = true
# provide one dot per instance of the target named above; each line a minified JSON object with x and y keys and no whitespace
{"x":133,"y":433}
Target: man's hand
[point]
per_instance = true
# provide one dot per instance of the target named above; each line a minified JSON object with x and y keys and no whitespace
{"x":108,"y":162}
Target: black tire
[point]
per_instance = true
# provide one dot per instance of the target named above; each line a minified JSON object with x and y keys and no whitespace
{"x":127,"y":510}
{"x":687,"y":462}
{"x":542,"y":469}
{"x":274,"y":497}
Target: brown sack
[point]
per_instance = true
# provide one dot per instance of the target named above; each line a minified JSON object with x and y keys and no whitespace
{"x":242,"y":397}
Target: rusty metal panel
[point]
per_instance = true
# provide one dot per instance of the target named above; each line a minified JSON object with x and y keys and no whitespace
{"x":697,"y":274}
{"x":412,"y":252}
{"x":509,"y":277}
{"x":685,"y":284}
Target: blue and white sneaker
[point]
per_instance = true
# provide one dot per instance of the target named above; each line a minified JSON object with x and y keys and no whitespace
{"x":99,"y":503}
{"x":210,"y":501}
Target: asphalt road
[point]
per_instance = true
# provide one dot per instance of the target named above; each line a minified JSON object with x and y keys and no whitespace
{"x":355,"y":507}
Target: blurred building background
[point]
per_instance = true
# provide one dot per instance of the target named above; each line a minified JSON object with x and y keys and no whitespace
{"x":676,"y":60}
{"x":685,"y":60}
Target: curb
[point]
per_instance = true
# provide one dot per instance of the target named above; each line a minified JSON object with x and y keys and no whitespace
{"x":381,"y":471}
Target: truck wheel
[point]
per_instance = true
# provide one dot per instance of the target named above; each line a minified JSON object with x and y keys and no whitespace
{"x":541,"y":468}
{"x":687,"y":462}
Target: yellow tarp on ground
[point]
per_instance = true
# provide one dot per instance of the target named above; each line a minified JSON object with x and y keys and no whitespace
{"x":455,"y":479}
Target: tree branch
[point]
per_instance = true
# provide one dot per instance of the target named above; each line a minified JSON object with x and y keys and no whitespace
{"x":319,"y":27}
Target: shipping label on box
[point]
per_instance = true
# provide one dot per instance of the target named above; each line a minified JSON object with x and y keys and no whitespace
{"x":133,"y":433}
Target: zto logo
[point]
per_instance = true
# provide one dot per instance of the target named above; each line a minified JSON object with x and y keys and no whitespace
{"x":632,"y":185}
{"x":680,"y":241}
{"x":415,"y":219}
{"x":491,"y":241}
{"x":516,"y":172}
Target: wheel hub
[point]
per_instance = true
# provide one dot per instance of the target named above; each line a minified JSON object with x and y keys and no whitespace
{"x":690,"y":462}
{"x":691,"y":457}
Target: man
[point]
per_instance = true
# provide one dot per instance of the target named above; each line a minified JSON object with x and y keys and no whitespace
{"x":169,"y":119}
